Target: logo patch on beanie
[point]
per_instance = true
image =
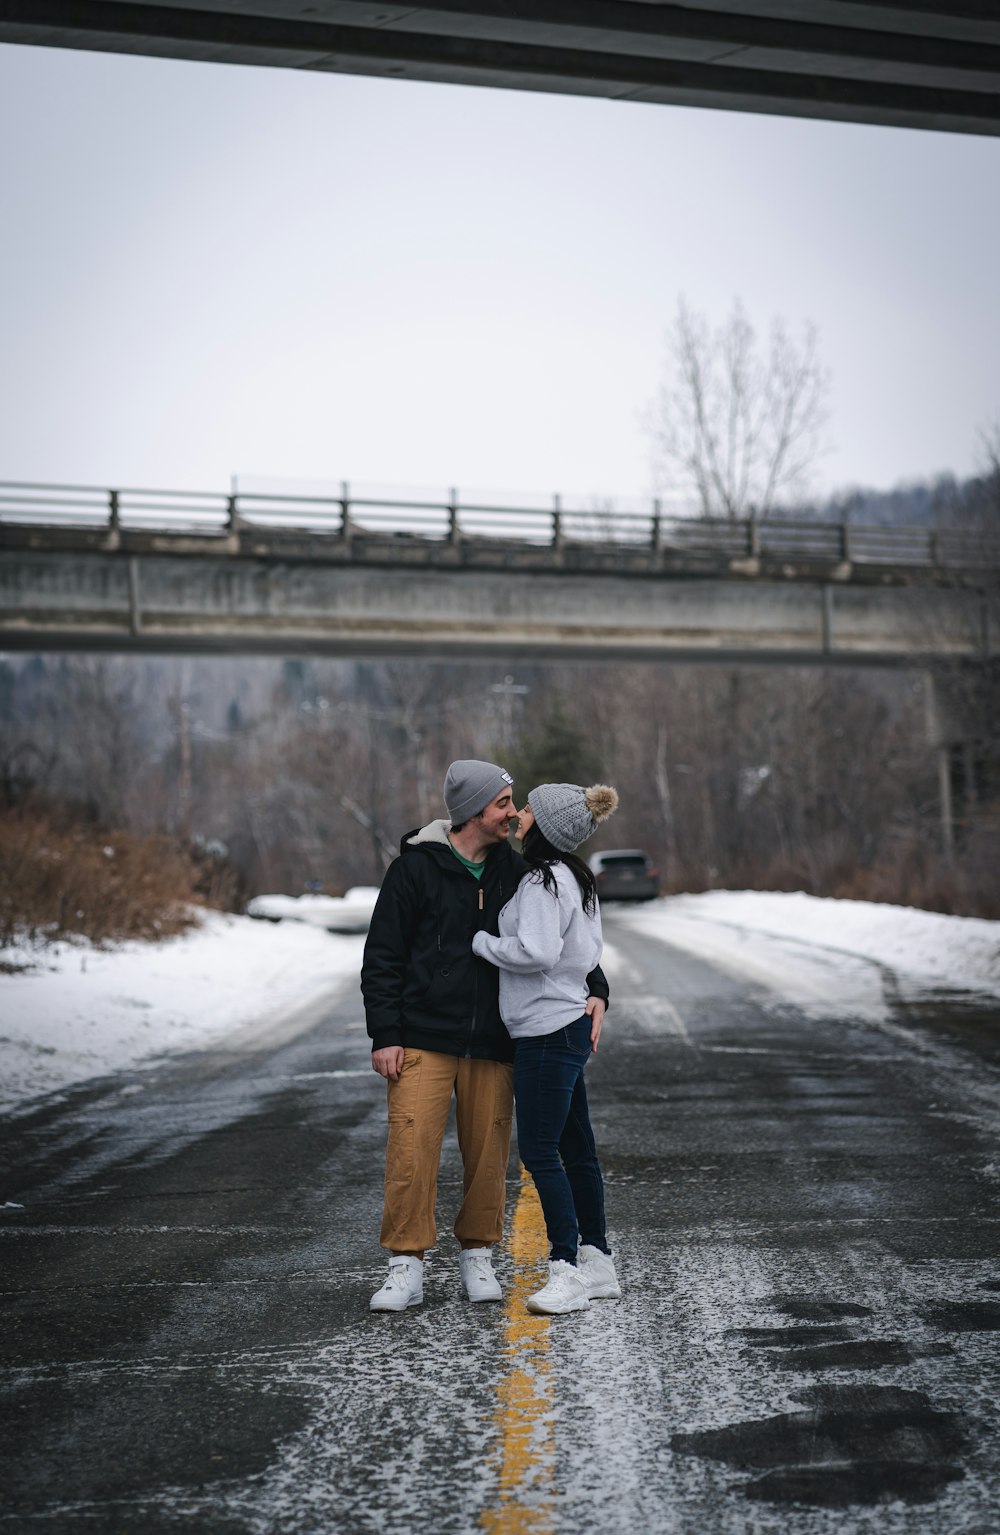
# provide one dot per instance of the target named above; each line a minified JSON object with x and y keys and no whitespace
{"x":506,"y":776}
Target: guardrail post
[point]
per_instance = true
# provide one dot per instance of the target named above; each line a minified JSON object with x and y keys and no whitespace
{"x":232,"y":514}
{"x":114,"y":512}
{"x":557,"y":527}
{"x":845,"y":542}
{"x":753,"y":534}
{"x":656,"y":533}
{"x":134,"y":598}
{"x":345,"y":513}
{"x":935,"y":547}
{"x":454,"y":531}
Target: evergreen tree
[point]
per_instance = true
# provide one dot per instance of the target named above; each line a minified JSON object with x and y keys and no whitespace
{"x":554,"y":750}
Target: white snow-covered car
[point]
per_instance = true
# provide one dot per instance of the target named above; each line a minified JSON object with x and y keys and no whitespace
{"x":347,"y":913}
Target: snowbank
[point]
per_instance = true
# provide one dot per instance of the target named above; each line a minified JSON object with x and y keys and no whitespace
{"x":83,"y":1012}
{"x":747,"y":930}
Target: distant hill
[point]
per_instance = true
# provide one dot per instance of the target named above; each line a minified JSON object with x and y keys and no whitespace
{"x":942,"y":502}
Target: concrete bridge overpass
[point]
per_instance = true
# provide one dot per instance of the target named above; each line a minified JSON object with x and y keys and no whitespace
{"x":146,"y":572}
{"x":918,"y":64}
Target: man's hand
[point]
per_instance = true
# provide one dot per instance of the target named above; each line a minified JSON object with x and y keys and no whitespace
{"x":595,"y":1010}
{"x":389,"y":1062}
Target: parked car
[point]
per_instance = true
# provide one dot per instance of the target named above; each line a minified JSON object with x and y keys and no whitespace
{"x":625,"y":874}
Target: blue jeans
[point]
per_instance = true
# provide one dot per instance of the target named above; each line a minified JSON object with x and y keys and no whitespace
{"x":554,"y":1136}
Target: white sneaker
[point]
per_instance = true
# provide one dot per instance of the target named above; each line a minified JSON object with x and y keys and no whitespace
{"x":597,"y":1270}
{"x":404,"y":1286}
{"x":478,"y":1277}
{"x":565,"y":1291}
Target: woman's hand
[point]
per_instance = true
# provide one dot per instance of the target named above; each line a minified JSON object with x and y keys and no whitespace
{"x":595,"y":1012}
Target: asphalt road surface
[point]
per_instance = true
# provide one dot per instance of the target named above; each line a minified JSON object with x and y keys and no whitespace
{"x":805,"y":1214}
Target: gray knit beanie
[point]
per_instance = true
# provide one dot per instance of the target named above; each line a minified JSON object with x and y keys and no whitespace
{"x":567,"y":815}
{"x":470,"y":785}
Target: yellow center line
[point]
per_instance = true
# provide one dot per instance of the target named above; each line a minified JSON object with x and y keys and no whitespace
{"x":524,"y":1504}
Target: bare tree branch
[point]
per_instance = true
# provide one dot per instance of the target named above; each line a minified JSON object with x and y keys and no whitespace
{"x":737,"y":429}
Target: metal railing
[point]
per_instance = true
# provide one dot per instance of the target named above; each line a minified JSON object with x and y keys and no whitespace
{"x":350,"y":516}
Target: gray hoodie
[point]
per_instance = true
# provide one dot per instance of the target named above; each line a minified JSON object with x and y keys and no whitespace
{"x":547,"y":947}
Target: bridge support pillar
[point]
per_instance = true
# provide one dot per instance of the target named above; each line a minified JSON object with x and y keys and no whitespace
{"x":962,"y":712}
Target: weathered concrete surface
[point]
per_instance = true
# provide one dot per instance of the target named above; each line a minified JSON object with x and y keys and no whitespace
{"x":806,"y":1216}
{"x":922,"y":66}
{"x":165,"y":602}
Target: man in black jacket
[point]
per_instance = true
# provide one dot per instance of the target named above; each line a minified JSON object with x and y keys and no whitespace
{"x":434,"y":1018}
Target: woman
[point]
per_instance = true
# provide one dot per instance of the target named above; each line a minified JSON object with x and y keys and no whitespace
{"x":550,"y":940}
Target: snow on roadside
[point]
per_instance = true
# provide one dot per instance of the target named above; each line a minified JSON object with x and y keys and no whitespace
{"x":780,"y":938}
{"x":82,"y":1012}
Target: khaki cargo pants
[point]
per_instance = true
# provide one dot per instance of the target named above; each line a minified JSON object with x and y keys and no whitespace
{"x":418,"y":1112}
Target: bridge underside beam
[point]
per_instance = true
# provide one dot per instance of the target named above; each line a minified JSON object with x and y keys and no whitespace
{"x":920,"y":66}
{"x":215,"y":605}
{"x":429,"y":649}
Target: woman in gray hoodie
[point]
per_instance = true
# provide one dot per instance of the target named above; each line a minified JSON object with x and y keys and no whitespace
{"x":549,"y":942}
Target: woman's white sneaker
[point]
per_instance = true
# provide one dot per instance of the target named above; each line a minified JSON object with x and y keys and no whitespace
{"x":478,"y":1277}
{"x":404,"y":1286}
{"x":597,"y":1270}
{"x":565,"y":1291}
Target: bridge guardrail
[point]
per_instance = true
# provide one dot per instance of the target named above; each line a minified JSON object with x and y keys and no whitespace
{"x":348,"y":516}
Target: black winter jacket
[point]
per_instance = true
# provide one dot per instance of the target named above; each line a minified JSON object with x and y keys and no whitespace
{"x":422,"y":984}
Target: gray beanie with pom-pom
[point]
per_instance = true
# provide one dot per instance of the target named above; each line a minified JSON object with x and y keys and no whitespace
{"x":567,"y":814}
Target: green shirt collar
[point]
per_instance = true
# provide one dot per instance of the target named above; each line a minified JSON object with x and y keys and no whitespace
{"x":475,"y":869}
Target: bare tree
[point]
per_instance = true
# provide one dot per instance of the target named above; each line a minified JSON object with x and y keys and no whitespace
{"x":737,"y":425}
{"x":989,"y":441}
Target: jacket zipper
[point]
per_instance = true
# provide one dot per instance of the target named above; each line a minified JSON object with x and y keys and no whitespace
{"x":475,"y":992}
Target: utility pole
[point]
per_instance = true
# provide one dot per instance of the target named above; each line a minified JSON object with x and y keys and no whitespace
{"x":937,"y":738}
{"x":184,"y":730}
{"x":505,"y":692}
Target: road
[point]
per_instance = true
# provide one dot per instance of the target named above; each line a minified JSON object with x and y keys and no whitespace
{"x":805,"y":1213}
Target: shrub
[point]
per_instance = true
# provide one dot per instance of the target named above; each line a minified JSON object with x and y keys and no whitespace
{"x":59,"y":878}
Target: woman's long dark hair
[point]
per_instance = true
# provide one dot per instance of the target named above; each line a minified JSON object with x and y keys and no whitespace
{"x":540,"y":855}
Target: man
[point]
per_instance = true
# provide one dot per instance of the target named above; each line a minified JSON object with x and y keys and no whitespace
{"x":434,"y":1018}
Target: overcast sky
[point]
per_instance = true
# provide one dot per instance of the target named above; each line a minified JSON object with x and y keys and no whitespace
{"x":212,"y":270}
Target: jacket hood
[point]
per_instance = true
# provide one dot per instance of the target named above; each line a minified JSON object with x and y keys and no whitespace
{"x":434,"y":831}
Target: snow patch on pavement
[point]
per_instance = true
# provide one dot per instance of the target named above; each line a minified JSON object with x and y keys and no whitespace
{"x":80,"y":1012}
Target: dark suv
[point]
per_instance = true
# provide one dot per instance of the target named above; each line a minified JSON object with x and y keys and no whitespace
{"x":625,"y":874}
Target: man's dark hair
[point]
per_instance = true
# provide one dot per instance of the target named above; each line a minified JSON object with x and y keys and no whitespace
{"x":540,"y":855}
